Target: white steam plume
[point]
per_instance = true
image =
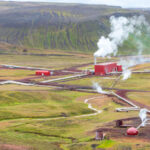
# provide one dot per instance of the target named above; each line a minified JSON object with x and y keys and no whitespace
{"x":131,"y":61}
{"x":121,"y":27}
{"x":126,"y":74}
{"x":143,"y":116}
{"x":99,"y":89}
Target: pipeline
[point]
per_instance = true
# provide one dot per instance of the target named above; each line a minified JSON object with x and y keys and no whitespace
{"x":133,"y":108}
{"x":58,"y":79}
{"x":22,"y":67}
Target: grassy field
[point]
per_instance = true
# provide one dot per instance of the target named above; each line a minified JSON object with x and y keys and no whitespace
{"x":103,"y":81}
{"x":8,"y":74}
{"x":14,"y":87}
{"x":43,"y":118}
{"x":40,"y":104}
{"x":71,"y":133}
{"x":50,"y":62}
{"x":137,"y":82}
{"x":27,"y":118}
{"x":142,"y":67}
{"x":140,"y":97}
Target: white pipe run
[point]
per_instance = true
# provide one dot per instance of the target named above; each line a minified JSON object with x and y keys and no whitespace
{"x":144,"y":123}
{"x":95,"y":60}
{"x":58,"y":79}
{"x":15,"y":82}
{"x":23,"y":67}
{"x":26,"y":84}
{"x":134,"y":107}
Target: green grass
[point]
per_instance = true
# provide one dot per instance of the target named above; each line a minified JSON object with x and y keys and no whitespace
{"x":44,"y":104}
{"x":137,"y":82}
{"x":103,"y":81}
{"x":27,"y":114}
{"x":16,"y":73}
{"x":26,"y":118}
{"x":141,"y":97}
{"x":106,"y":144}
{"x":71,"y":133}
{"x":49,"y":62}
{"x":8,"y":74}
{"x":14,"y":87}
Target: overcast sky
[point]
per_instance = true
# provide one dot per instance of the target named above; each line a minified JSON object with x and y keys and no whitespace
{"x":123,"y":3}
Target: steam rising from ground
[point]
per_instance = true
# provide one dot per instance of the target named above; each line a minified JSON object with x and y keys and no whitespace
{"x":99,"y":88}
{"x":143,"y":116}
{"x":130,"y":61}
{"x":121,"y":29}
{"x":126,"y":74}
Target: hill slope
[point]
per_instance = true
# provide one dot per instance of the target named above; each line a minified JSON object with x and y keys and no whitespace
{"x":57,"y":26}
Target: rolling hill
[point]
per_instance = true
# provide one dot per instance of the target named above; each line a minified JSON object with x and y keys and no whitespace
{"x":59,"y":26}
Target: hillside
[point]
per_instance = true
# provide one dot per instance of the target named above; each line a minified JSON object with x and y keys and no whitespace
{"x":58,"y":26}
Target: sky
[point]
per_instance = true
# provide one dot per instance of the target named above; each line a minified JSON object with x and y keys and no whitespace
{"x":122,"y":3}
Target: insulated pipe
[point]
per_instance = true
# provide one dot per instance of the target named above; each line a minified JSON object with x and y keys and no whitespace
{"x":125,"y":100}
{"x":95,"y":61}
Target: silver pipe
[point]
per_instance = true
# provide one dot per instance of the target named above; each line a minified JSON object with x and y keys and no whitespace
{"x":95,"y":60}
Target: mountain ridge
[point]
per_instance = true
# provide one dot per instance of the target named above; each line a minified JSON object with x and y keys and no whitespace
{"x":58,"y":26}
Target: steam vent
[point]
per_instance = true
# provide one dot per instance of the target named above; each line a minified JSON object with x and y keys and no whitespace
{"x":132,"y":131}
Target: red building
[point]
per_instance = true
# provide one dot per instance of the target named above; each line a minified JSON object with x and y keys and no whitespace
{"x":43,"y":73}
{"x":105,"y":68}
{"x":119,"y":68}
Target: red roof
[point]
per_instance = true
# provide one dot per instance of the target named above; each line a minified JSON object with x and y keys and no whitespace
{"x":107,"y":63}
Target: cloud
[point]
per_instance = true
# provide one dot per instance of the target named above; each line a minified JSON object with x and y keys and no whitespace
{"x":123,"y":3}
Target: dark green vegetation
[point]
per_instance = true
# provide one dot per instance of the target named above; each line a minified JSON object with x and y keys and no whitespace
{"x":59,"y":26}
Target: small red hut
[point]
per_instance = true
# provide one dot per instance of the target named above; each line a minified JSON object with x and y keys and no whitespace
{"x":99,"y":135}
{"x":43,"y":73}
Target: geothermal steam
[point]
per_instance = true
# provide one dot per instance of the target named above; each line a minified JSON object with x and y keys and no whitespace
{"x":99,"y":88}
{"x":121,"y":28}
{"x":126,"y":74}
{"x":128,"y":62}
{"x":143,"y":116}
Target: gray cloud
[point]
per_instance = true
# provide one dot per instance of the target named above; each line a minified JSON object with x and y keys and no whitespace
{"x":123,"y":3}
